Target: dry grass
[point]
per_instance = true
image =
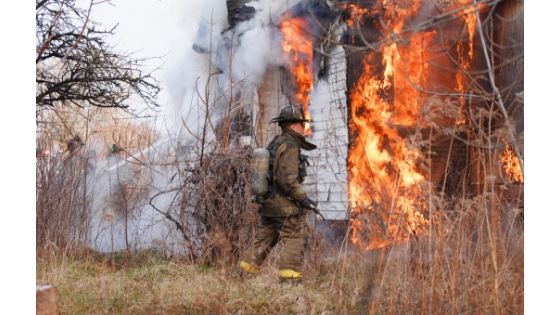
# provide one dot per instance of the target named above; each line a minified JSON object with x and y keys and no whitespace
{"x":160,"y":286}
{"x":464,"y":268}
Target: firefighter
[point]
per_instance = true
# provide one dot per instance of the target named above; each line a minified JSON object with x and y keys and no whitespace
{"x":75,"y":160}
{"x":119,"y":180}
{"x":75,"y":146}
{"x":282,"y":212}
{"x":113,"y":150}
{"x":74,"y":177}
{"x":91,"y":160}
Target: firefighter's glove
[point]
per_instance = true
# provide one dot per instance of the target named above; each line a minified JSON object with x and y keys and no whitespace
{"x":308,"y":204}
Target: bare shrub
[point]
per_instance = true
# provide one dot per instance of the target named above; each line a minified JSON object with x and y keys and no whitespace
{"x":216,"y":196}
{"x":62,"y":204}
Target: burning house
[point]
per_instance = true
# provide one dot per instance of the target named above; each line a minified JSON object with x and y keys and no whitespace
{"x":408,"y":101}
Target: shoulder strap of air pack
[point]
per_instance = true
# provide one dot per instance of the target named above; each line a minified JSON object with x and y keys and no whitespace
{"x":272,"y":148}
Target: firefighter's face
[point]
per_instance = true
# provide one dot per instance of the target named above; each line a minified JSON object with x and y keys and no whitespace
{"x":298,"y":127}
{"x":79,"y":150}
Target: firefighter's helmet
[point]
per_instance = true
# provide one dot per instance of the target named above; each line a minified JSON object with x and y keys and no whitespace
{"x":291,"y":113}
{"x":114,"y":148}
{"x":74,"y":143}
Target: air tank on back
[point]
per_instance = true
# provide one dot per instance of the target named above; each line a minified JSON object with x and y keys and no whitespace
{"x":259,"y":170}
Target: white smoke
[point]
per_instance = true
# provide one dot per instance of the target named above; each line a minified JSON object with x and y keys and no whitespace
{"x":268,"y":9}
{"x":242,"y":54}
{"x":258,"y":48}
{"x":185,"y":67}
{"x":259,"y":44}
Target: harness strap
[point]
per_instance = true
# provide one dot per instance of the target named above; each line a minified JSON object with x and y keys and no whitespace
{"x":272,"y":190}
{"x":272,"y":148}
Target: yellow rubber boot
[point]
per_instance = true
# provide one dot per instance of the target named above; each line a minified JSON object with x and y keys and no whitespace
{"x":247,"y":267}
{"x":289,"y":275}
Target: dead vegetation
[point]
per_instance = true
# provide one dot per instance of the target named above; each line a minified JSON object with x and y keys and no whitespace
{"x":472,"y":264}
{"x":215,"y":196}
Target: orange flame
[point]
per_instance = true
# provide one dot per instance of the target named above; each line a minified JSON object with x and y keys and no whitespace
{"x":512,"y":166}
{"x":357,"y":13}
{"x":381,"y":166}
{"x":465,"y":63}
{"x":297,"y":43}
{"x":385,"y":189}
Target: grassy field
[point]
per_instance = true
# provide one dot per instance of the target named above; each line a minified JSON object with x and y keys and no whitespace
{"x":461,"y":273}
{"x":147,"y":283}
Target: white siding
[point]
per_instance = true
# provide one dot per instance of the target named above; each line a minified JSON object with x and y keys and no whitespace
{"x":327,"y":180}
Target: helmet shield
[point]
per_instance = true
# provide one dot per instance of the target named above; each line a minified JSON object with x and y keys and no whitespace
{"x":292,"y":113}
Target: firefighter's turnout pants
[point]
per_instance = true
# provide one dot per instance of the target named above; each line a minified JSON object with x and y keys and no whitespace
{"x":291,"y":232}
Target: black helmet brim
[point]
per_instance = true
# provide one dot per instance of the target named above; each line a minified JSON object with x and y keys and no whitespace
{"x":279,"y":120}
{"x":290,"y":113}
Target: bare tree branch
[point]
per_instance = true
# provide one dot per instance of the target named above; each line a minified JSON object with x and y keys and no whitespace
{"x":75,"y":66}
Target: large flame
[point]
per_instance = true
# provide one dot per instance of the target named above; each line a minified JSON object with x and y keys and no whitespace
{"x":383,"y":180}
{"x":298,"y":46}
{"x":386,"y":191}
